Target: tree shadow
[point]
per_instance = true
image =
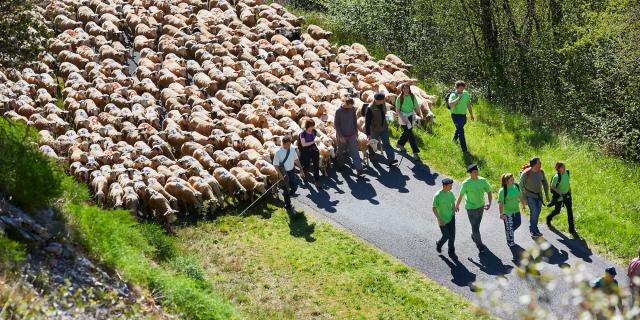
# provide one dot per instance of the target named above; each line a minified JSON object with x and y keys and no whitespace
{"x":577,"y":246}
{"x":490,"y":264}
{"x":299,"y":226}
{"x":462,"y":277}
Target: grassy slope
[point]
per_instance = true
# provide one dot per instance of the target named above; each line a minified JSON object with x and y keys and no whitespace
{"x":606,"y":190}
{"x":276,"y":266}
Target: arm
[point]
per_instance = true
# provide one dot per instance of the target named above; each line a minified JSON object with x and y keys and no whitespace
{"x":490,"y":196}
{"x":454,"y":102}
{"x":457,"y":208}
{"x":337,"y":124}
{"x":300,"y":167}
{"x":545,"y":186}
{"x":553,"y":186}
{"x":304,"y":142}
{"x":471,"y":112}
{"x":523,"y":190}
{"x":435,"y":212}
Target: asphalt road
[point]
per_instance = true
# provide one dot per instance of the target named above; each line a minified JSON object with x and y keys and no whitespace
{"x":391,"y":208}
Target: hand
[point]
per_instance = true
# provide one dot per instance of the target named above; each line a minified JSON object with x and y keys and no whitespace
{"x":473,"y":118}
{"x":488,"y":206}
{"x":440,"y":222}
{"x":503,"y":217}
{"x":301,"y":174}
{"x":457,"y":208}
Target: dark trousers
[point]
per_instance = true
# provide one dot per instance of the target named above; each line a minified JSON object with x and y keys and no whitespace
{"x":448,"y":234}
{"x":310,"y":155}
{"x":511,"y":224}
{"x":459,"y":120}
{"x":475,"y":217}
{"x":407,"y":134}
{"x":289,"y":187}
{"x":569,"y":205}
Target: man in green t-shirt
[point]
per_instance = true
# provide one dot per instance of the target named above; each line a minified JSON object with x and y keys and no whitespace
{"x":443,"y":205}
{"x":561,"y":189}
{"x":459,"y":102}
{"x":473,"y":189}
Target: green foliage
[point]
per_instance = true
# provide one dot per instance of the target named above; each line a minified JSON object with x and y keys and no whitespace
{"x":570,"y":65}
{"x":118,"y":241}
{"x":11,"y":253}
{"x":28,"y":175}
{"x":22,"y":33}
{"x":283,"y":266}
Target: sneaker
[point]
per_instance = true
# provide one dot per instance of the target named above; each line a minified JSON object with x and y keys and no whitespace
{"x":536,"y":235}
{"x":438,"y":247}
{"x":453,"y":256}
{"x":400,"y":148}
{"x":360,"y":172}
{"x":393,"y":162}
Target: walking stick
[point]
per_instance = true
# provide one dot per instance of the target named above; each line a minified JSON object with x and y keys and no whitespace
{"x":265,"y":193}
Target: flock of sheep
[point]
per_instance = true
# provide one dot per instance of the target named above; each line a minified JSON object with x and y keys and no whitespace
{"x":172,"y":104}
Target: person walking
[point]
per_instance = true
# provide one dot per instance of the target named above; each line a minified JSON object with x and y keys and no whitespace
{"x":309,"y":152}
{"x":508,"y":203}
{"x":561,"y":190}
{"x":459,"y":102}
{"x":408,"y":109}
{"x":443,"y":209}
{"x":285,"y":160}
{"x":345,"y":122}
{"x":473,"y":189}
{"x":607,"y":283}
{"x":633,"y":272}
{"x":532,"y":181}
{"x":376,"y":126}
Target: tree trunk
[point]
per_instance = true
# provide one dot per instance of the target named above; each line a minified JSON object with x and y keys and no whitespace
{"x":492,"y":45}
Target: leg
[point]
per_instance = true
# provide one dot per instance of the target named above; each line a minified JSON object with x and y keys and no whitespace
{"x":517,"y":221}
{"x":355,"y":155}
{"x":475,"y":217}
{"x":315,"y":156}
{"x":305,"y":158}
{"x":556,"y":210}
{"x":509,"y":230}
{"x":412,"y":141}
{"x":445,"y":236}
{"x":455,"y":124}
{"x":534,"y":214}
{"x":569,"y":205}
{"x":463,"y":139}
{"x":293,"y":185}
{"x":286,"y":193}
{"x":384,"y":137}
{"x":452,"y":236}
{"x":404,"y":136}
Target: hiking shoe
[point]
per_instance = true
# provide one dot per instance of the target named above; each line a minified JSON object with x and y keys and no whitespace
{"x":438,"y":247}
{"x":400,"y":148}
{"x":453,"y":256}
{"x":536,"y":235}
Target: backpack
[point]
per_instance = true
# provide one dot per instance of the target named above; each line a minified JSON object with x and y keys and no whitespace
{"x":446,"y":98}
{"x":526,"y":168}
{"x":560,"y":178}
{"x":506,"y":192}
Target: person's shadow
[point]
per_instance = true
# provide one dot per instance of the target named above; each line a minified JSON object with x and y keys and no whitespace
{"x":360,"y":189}
{"x":555,"y":256}
{"x":490,"y":264}
{"x":392,"y":179}
{"x":332,"y":181}
{"x":577,"y":246}
{"x":322,"y":199}
{"x":299,"y":227}
{"x":423,"y":173}
{"x":462,"y":277}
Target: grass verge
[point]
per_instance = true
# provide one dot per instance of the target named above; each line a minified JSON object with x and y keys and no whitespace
{"x":273,"y":265}
{"x":606,"y":190}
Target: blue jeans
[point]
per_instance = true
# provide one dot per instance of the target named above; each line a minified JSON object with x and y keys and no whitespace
{"x":384,"y":138}
{"x":535,"y":206}
{"x":459,"y":120}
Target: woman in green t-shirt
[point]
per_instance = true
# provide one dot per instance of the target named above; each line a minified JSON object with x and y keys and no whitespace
{"x":561,"y":189}
{"x":509,"y":199}
{"x":407,"y":109}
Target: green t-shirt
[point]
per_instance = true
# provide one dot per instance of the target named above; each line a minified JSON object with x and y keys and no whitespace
{"x":511,"y":205}
{"x":564,"y":182}
{"x":408,"y":105}
{"x":463,"y":104}
{"x":444,"y":201}
{"x":474,"y":191}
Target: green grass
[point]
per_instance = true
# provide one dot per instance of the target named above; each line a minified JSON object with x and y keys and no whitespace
{"x":606,"y":190}
{"x":273,"y":265}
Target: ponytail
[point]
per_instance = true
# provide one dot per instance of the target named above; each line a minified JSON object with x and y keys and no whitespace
{"x":505,"y":184}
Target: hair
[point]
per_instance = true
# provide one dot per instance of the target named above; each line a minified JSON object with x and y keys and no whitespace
{"x":559,"y":165}
{"x":309,"y":123}
{"x":460,"y":83}
{"x":505,"y":182}
{"x":349,"y":101}
{"x":413,"y":96}
{"x":534,"y":161}
{"x":286,"y":140}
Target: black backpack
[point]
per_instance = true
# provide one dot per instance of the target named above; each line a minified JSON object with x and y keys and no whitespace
{"x":506,"y":191}
{"x":447,"y":96}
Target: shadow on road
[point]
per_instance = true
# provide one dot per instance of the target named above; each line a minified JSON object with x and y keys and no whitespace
{"x":577,"y":246}
{"x":361,"y":189}
{"x":462,"y":277}
{"x":321,"y":198}
{"x":490,"y":264}
{"x":391,"y":177}
{"x":423,"y":173}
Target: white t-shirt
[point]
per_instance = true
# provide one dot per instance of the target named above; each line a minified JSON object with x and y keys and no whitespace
{"x":281,"y":154}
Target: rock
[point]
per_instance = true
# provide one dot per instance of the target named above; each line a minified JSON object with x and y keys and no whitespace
{"x":55,"y":248}
{"x":19,"y":225}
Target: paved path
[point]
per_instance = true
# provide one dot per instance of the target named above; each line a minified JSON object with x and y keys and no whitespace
{"x":391,"y":208}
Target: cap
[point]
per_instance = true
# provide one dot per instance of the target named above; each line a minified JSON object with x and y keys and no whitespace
{"x":472,"y":167}
{"x":611,"y":271}
{"x":379,"y":96}
{"x":446,"y":181}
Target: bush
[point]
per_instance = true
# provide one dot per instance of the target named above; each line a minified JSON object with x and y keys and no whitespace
{"x":28,"y":175}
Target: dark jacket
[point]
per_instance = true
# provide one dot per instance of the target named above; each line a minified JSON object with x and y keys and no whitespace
{"x":345,"y":122}
{"x":375,"y":119}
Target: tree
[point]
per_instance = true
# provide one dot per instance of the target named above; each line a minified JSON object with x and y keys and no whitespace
{"x":22,"y":33}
